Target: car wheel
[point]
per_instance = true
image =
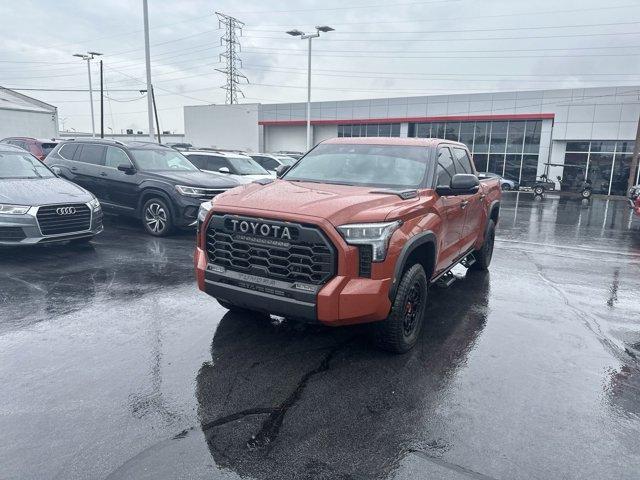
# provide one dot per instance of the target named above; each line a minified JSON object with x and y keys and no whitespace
{"x":586,"y":193}
{"x":156,"y":217}
{"x":401,"y":329}
{"x":485,"y":254}
{"x":538,"y":190}
{"x":506,"y":187}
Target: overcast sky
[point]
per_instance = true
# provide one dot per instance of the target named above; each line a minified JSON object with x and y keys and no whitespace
{"x":379,"y":49}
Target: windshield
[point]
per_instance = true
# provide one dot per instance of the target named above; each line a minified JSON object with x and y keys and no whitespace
{"x":151,"y":159}
{"x":22,"y":165}
{"x":246,"y":166}
{"x":392,"y":166}
{"x":286,"y":160}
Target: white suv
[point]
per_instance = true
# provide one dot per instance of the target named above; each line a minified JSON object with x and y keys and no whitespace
{"x":240,"y":167}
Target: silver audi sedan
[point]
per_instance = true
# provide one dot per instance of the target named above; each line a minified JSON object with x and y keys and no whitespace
{"x":36,"y":206}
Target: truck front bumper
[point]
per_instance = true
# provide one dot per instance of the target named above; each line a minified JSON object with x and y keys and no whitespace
{"x":341,"y":301}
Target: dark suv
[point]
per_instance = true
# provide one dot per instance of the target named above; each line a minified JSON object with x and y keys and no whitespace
{"x":142,"y":179}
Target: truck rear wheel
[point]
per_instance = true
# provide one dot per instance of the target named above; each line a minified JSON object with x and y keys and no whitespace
{"x":401,"y":329}
{"x":485,"y":254}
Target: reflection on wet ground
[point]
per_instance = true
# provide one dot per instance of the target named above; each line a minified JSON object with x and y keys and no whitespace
{"x":113,"y":366}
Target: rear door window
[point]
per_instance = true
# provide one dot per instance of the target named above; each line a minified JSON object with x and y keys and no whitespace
{"x":92,"y":154}
{"x":68,"y":150}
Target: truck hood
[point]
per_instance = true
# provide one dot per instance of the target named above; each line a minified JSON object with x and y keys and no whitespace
{"x":41,"y":191}
{"x":339,"y":204}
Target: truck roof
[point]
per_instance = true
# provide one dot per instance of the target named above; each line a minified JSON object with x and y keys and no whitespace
{"x":417,"y":142}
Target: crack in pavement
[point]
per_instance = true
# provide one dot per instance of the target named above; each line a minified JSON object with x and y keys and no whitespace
{"x":271,"y":426}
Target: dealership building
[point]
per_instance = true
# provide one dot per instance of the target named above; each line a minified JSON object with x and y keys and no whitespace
{"x":571,"y":133}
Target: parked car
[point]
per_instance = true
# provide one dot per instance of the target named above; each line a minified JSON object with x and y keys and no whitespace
{"x":290,"y":153}
{"x":505,"y":183}
{"x":354,"y":232}
{"x":36,"y":206}
{"x":634,"y":199}
{"x":152,"y":182}
{"x":271,"y":162}
{"x":234,"y":165}
{"x":37,"y":147}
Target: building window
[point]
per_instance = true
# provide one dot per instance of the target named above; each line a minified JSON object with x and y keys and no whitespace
{"x":369,"y":130}
{"x":507,"y":148}
{"x":605,"y":163}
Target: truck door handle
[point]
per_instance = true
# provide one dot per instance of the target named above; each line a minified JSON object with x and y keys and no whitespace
{"x":74,"y":169}
{"x":483,"y":196}
{"x":464,"y":204}
{"x":103,"y":174}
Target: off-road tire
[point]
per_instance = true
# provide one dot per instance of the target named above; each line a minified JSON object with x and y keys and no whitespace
{"x":400,"y":331}
{"x":484,"y":255}
{"x":156,"y":217}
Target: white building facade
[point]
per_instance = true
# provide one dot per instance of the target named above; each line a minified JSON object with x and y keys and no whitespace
{"x":572,"y":133}
{"x":23,"y":116}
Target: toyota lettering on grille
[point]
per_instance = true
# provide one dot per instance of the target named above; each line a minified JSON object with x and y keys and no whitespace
{"x":66,"y":211}
{"x":261,"y":229}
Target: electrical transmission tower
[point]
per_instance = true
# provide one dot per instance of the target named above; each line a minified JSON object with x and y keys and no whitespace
{"x":232,"y":29}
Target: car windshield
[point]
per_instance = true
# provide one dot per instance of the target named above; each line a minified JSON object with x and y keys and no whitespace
{"x":247,"y":166}
{"x":392,"y":166}
{"x":286,"y":160}
{"x":22,"y":165}
{"x":156,"y":159}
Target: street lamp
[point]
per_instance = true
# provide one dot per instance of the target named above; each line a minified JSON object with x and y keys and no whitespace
{"x":88,"y":57}
{"x":303,"y":36}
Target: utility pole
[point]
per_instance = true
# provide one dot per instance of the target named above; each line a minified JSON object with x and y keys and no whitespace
{"x":101,"y":102}
{"x":147,"y":58}
{"x":155,"y":112}
{"x":311,"y":36}
{"x":634,"y":162}
{"x":231,"y":56}
{"x":88,"y":57}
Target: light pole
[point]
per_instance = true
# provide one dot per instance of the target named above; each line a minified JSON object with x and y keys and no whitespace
{"x":88,"y":57}
{"x":303,"y":36}
{"x":147,"y":61}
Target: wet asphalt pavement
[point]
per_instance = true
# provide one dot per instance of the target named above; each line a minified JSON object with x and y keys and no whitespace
{"x":113,"y":366}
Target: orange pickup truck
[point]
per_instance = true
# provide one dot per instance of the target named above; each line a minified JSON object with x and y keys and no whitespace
{"x":354,"y":232}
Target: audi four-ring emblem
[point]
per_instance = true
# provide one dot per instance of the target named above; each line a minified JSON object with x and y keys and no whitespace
{"x":66,"y":211}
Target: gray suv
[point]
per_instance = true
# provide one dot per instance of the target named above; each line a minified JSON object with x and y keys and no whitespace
{"x":36,"y":206}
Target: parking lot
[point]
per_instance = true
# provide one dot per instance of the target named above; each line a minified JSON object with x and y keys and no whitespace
{"x":113,"y":365}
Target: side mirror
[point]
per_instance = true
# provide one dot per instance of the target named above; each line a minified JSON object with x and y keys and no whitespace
{"x":461,"y":184}
{"x":281,"y":170}
{"x":224,"y":170}
{"x":127,"y":168}
{"x":56,"y":171}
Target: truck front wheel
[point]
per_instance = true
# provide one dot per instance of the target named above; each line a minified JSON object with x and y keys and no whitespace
{"x":400,"y":331}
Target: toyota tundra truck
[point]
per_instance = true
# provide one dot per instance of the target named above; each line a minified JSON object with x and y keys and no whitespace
{"x":354,"y":232}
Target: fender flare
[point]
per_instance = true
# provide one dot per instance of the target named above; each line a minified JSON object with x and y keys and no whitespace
{"x":412,"y":244}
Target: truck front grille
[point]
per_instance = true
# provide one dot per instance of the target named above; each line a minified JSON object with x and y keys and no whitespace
{"x":262,"y":248}
{"x":64,"y":219}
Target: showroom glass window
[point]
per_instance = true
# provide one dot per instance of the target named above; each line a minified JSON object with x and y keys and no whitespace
{"x":508,"y":148}
{"x":605,"y":163}
{"x":370,"y":130}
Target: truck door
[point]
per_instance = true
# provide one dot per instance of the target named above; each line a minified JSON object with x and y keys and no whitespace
{"x":454,"y":211}
{"x":475,"y":214}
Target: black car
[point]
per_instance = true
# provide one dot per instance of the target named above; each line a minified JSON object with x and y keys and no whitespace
{"x":152,"y":182}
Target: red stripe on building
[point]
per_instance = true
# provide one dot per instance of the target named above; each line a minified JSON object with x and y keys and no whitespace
{"x":451,"y":118}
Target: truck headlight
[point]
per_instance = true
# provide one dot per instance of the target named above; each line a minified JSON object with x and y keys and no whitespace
{"x":204,"y":209}
{"x":375,"y":234}
{"x":14,"y":209}
{"x":191,"y":191}
{"x":94,"y":204}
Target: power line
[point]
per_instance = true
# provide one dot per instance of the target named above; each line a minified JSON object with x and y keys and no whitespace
{"x":351,"y":7}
